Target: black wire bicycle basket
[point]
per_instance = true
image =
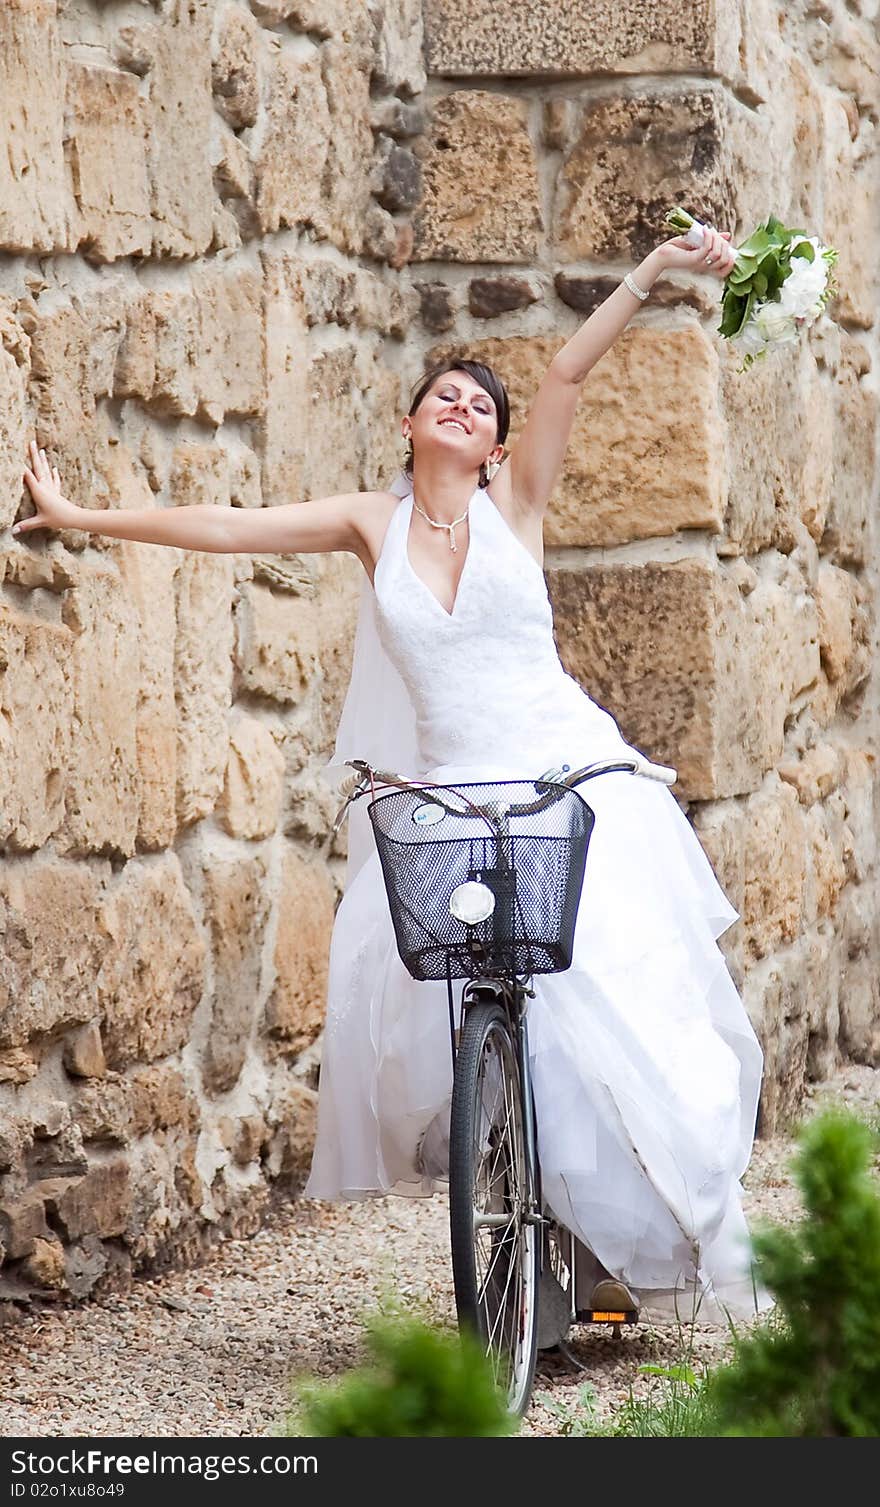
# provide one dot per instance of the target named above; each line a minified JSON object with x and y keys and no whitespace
{"x":532,"y":862}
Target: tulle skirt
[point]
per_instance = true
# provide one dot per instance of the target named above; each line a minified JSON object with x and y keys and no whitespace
{"x":646,"y":1069}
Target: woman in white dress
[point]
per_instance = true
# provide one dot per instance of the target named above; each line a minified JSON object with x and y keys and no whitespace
{"x":646,"y":1069}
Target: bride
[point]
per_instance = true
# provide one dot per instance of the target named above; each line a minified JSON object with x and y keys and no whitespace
{"x":646,"y":1070}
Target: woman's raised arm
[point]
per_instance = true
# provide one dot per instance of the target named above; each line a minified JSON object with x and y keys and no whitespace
{"x":317,"y":526}
{"x":535,"y":461}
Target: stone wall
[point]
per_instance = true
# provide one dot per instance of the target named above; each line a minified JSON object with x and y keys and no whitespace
{"x":200,"y":300}
{"x":230,"y":236}
{"x":712,"y":544}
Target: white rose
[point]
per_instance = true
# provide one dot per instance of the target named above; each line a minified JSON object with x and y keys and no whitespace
{"x":750,"y":341}
{"x":776,"y":326}
{"x":806,"y":282}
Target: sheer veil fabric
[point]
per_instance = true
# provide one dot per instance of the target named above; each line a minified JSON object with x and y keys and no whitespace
{"x":646,"y":1068}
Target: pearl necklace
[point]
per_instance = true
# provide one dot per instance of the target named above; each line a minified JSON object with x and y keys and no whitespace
{"x":450,"y":526}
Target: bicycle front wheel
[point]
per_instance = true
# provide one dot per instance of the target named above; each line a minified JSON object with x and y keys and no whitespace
{"x":495,"y":1245}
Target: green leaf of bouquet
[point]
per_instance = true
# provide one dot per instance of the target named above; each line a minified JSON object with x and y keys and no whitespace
{"x":760,"y":284}
{"x":803,"y":248}
{"x":743,"y":272}
{"x":757,"y":243}
{"x":732,"y":315}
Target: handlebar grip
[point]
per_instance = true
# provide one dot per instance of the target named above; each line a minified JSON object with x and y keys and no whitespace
{"x":662,"y":773}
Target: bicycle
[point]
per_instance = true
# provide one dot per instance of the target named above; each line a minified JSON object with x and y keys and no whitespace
{"x":494,"y":901}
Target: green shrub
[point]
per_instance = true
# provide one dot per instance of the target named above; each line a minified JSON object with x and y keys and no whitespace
{"x":814,"y":1371}
{"x":419,"y":1382}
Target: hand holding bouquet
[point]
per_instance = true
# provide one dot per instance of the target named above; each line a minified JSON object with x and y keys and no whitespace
{"x":780,"y":282}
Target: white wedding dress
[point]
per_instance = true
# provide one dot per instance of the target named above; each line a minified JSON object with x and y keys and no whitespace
{"x":646,"y":1069}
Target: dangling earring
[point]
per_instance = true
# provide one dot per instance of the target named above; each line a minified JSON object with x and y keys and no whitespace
{"x":490,"y":468}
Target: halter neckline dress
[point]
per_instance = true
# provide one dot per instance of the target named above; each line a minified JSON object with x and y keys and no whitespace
{"x":646,"y":1068}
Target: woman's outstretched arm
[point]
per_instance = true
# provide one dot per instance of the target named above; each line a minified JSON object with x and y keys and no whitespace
{"x":318,"y":526}
{"x":536,"y":459}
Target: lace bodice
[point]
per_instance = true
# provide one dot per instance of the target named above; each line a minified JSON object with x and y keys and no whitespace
{"x":485,"y":680}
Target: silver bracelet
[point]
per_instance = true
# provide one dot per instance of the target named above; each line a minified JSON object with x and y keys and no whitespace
{"x":633,"y":286}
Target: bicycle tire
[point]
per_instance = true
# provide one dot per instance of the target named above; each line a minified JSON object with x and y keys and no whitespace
{"x":496,"y":1267}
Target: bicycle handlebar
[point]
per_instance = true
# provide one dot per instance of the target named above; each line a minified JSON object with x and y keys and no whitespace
{"x":366,"y":777}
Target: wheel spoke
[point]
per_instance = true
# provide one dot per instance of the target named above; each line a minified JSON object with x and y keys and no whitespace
{"x":496,"y":1270}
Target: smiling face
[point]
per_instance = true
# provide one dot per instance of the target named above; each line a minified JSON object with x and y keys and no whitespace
{"x":457,"y":416}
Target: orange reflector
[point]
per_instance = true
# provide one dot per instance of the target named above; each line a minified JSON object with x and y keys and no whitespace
{"x":609,"y":1318}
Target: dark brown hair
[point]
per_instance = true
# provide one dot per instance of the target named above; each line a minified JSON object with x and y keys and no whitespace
{"x":486,"y":378}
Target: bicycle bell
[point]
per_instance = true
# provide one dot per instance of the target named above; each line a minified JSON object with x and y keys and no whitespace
{"x":471,"y":902}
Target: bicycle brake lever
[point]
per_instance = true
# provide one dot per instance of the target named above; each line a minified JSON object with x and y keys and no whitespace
{"x":552,"y":776}
{"x":353,"y":788}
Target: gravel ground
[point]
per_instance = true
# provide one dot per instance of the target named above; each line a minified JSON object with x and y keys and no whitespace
{"x":211,"y":1352}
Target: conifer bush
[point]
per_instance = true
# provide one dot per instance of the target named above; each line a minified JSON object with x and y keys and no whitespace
{"x":419,"y":1382}
{"x":813,"y":1370}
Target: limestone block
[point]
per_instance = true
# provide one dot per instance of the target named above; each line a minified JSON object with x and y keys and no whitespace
{"x":852,"y":60}
{"x":235,"y":78}
{"x":160,"y":1099}
{"x":230,"y":342}
{"x":336,"y":441}
{"x":636,"y":466}
{"x":243,"y":1137}
{"x":158,"y":356}
{"x":106,"y":151}
{"x":135,"y":373}
{"x":860,"y":791}
{"x":843,"y":628}
{"x":152,"y":961}
{"x":437,"y":306}
{"x":775,"y":859}
{"x":281,"y":433}
{"x":83,"y":1053}
{"x":295,"y":1008}
{"x":638,"y":152}
{"x":174,"y":57}
{"x":770,"y":486}
{"x":61,"y":390}
{"x":36,"y":731}
{"x":398,"y":62}
{"x":490,"y":296}
{"x":792,"y":999}
{"x":147,"y":572}
{"x":381,"y":409}
{"x":14,"y":368}
{"x":293,"y":1120}
{"x":34,"y":201}
{"x":17,"y":1065}
{"x":815,"y":774}
{"x":481,"y":200}
{"x":202,"y":679}
{"x":50,"y":957}
{"x":348,"y":178}
{"x":325,"y":18}
{"x":45,"y":1265}
{"x":22,"y":1222}
{"x":278,"y":643}
{"x":254,"y":774}
{"x":859,"y":927}
{"x":290,"y":157}
{"x":826,"y":838}
{"x":697,"y":676}
{"x":850,"y":204}
{"x":504,"y":37}
{"x":101,"y":784}
{"x":237,"y":909}
{"x":759,"y":851}
{"x":97,"y":1204}
{"x":101,"y":1109}
{"x":15,"y":1137}
{"x":851,"y":466}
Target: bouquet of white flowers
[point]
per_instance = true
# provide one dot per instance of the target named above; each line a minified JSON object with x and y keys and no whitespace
{"x":780,"y":284}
